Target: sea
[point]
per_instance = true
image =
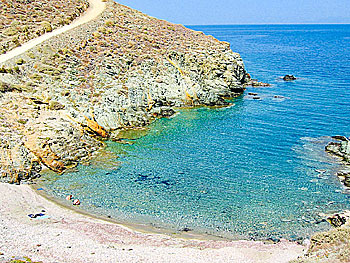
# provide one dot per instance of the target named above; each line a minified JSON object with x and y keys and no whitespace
{"x":256,"y":170}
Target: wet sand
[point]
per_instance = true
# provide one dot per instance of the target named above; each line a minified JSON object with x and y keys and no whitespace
{"x":69,"y":236}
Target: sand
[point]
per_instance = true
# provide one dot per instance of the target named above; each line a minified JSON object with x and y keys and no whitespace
{"x":68,"y":236}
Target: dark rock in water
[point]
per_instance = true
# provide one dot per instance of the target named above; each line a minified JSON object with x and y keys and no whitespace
{"x":256,"y":98}
{"x":340,"y":138}
{"x":165,"y":182}
{"x":273,"y":240}
{"x":340,"y":149}
{"x":344,"y":177}
{"x":320,"y":221}
{"x":186,"y":229}
{"x":289,"y":77}
{"x":347,"y":182}
{"x":256,"y":83}
{"x":252,"y":93}
{"x":337,"y":220}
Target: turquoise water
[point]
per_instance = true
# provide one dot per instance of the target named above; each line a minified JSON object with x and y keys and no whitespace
{"x":248,"y":171}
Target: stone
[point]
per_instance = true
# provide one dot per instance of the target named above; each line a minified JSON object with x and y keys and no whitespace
{"x":337,"y":220}
{"x":186,"y":229}
{"x":54,"y":105}
{"x":289,"y":78}
{"x":340,"y":138}
{"x":256,"y":83}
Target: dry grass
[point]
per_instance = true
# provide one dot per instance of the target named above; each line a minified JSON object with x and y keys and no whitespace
{"x":22,"y":20}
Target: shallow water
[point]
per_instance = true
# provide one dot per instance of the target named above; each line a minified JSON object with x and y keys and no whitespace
{"x":247,"y":171}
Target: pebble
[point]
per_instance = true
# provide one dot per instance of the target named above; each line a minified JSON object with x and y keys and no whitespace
{"x":306,"y":242}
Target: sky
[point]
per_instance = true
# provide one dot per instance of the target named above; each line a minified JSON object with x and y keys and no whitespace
{"x":213,"y":12}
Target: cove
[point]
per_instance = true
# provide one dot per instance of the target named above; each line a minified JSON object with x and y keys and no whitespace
{"x":248,"y":171}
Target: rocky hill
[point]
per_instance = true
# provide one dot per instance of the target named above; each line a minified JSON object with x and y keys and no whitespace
{"x":122,"y":70}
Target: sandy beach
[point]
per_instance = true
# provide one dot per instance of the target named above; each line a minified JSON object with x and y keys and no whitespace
{"x":67,"y":236}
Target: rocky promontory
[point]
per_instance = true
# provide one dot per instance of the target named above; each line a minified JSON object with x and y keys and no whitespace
{"x":123,"y":70}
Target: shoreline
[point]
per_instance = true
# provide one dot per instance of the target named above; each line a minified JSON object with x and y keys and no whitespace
{"x":69,"y":236}
{"x":136,"y":227}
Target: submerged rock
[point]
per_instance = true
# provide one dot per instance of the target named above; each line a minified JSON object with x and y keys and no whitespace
{"x":256,"y":83}
{"x":186,"y":229}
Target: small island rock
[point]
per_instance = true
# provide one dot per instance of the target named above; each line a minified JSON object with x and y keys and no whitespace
{"x":289,"y":78}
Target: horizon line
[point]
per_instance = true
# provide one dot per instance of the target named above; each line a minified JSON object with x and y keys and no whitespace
{"x":265,"y":24}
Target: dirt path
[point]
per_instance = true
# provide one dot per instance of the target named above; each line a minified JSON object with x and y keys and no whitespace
{"x":96,"y":7}
{"x":66,"y":236}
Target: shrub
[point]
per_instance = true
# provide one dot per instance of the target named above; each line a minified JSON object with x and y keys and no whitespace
{"x":46,"y":26}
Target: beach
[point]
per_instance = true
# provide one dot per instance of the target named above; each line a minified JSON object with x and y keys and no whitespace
{"x":241,"y":169}
{"x":63,"y":235}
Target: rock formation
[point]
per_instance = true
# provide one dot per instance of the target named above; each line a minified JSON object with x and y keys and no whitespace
{"x":122,"y":70}
{"x":289,"y":78}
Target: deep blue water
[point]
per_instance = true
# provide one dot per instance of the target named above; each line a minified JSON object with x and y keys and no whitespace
{"x":247,"y":171}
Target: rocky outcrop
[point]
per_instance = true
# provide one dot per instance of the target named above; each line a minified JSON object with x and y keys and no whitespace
{"x":341,"y":148}
{"x":121,"y":71}
{"x":289,"y":78}
{"x":330,"y":246}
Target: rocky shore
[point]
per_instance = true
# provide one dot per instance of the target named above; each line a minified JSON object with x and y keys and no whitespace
{"x":341,"y":149}
{"x":334,"y":245}
{"x":61,"y":99}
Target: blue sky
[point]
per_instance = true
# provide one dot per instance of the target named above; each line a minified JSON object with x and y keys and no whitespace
{"x":202,"y":12}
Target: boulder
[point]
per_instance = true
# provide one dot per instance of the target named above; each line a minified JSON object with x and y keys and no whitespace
{"x":337,"y":220}
{"x":289,"y":78}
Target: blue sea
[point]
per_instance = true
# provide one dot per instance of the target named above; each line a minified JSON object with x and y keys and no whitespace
{"x":243,"y":172}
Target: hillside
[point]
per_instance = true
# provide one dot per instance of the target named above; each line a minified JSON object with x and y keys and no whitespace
{"x":23,"y":20}
{"x":123,"y":70}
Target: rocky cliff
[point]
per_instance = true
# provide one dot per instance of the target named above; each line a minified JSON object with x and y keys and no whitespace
{"x":122,"y":70}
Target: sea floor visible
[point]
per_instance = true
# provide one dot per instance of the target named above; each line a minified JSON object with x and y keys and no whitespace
{"x":64,"y":235}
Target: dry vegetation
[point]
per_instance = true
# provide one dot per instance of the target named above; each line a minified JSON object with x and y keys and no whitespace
{"x":122,"y":70}
{"x":332,"y":246}
{"x":22,"y":20}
